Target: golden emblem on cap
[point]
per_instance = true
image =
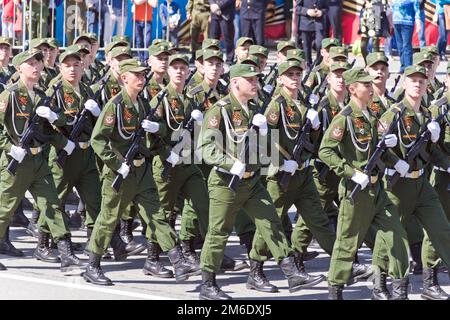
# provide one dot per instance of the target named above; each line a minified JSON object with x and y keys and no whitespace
{"x":260,"y":49}
{"x":294,"y":52}
{"x":417,"y":68}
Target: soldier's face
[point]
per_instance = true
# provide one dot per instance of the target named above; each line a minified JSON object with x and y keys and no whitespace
{"x":336,"y":81}
{"x":379,"y":70}
{"x":242,"y":52}
{"x":262,"y":62}
{"x":159,"y":63}
{"x":5,"y":52}
{"x":31,"y":70}
{"x":325,"y":54}
{"x":292,"y":78}
{"x":178,"y":72}
{"x":71,"y":69}
{"x":115,"y":62}
{"x":281,"y":57}
{"x":247,"y":87}
{"x":362,"y":91}
{"x":45,"y":51}
{"x":134,"y":81}
{"x":415,"y":86}
{"x":53,"y":55}
{"x":428,"y":66}
{"x":199,"y":66}
{"x":212,"y":68}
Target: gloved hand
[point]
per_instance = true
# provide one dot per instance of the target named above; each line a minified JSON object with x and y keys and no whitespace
{"x":173,"y":158}
{"x":92,"y":107}
{"x":124,"y":170}
{"x":70,"y":146}
{"x":435,"y":130}
{"x":260,"y":121}
{"x":448,"y":170}
{"x":197,"y":115}
{"x":238,"y":169}
{"x":150,"y":126}
{"x":289,"y":166}
{"x":391,"y":140}
{"x":313,"y":116}
{"x":45,"y":112}
{"x":18,"y":153}
{"x":361,"y":178}
{"x":402,"y":167}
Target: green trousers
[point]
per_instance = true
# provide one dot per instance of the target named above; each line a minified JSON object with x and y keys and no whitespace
{"x":188,"y":181}
{"x":39,"y":17}
{"x":224,"y":205}
{"x":138,"y":188}
{"x":303,"y":194}
{"x":80,"y":171}
{"x":32,"y":174}
{"x":371,"y":207}
{"x":199,"y":25}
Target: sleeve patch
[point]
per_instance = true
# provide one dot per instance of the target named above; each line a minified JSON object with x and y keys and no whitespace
{"x":337,"y":133}
{"x":214,"y":122}
{"x":273,"y":117}
{"x":3,"y":106}
{"x":110,"y":119}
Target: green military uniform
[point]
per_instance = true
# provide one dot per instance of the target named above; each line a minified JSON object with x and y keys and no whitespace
{"x":199,"y":11}
{"x":9,"y":70}
{"x":434,"y":85}
{"x":197,"y":77}
{"x":39,"y":17}
{"x":345,"y":148}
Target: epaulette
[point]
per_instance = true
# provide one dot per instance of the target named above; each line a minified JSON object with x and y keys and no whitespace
{"x":223,"y":102}
{"x":117,"y":98}
{"x":316,"y":68}
{"x":280,"y":99}
{"x":195,"y":90}
{"x":347,"y":111}
{"x":324,"y":102}
{"x":12,"y":87}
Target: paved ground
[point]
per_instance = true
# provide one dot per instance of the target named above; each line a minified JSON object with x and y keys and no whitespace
{"x":28,"y":278}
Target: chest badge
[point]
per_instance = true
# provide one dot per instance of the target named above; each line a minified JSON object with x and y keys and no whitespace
{"x":237,"y":119}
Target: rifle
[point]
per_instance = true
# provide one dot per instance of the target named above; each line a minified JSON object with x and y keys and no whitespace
{"x":190,"y":76}
{"x":390,"y":93}
{"x":148,"y":77}
{"x":309,"y":71}
{"x":273,"y":69}
{"x":417,"y":149}
{"x":375,"y":158}
{"x":302,"y":142}
{"x":136,"y":146}
{"x":187,"y":128}
{"x":269,"y":90}
{"x":79,"y":125}
{"x":32,"y":131}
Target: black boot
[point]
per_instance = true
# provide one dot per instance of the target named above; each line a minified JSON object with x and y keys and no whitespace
{"x":173,"y":218}
{"x":209,"y":290}
{"x":43,"y":251}
{"x":2,"y":267}
{"x":246,"y":239}
{"x":298,"y":279}
{"x":400,"y":289}
{"x":19,"y":219}
{"x":360,"y":272}
{"x":309,"y":255}
{"x":118,"y":246}
{"x":380,"y":290}
{"x":416,"y":254}
{"x":7,"y":248}
{"x":431,"y":288}
{"x":74,"y":220}
{"x":188,"y":251}
{"x":229,"y":264}
{"x":257,"y":279}
{"x":152,"y":264}
{"x":126,"y":234}
{"x":335,"y":292}
{"x":182,"y":267}
{"x":94,"y":272}
{"x":69,"y":261}
{"x":33,"y":230}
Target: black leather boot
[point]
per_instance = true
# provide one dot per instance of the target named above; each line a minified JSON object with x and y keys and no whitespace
{"x":94,"y":272}
{"x":74,"y":220}
{"x":126,"y":234}
{"x":7,"y":248}
{"x":309,"y":255}
{"x":416,"y":254}
{"x":19,"y":219}
{"x":69,"y":261}
{"x":400,"y":289}
{"x":431,"y":288}
{"x":257,"y":279}
{"x":43,"y":251}
{"x":380,"y":290}
{"x":297,"y":279}
{"x":229,"y":264}
{"x":188,"y":251}
{"x":152,"y":264}
{"x":182,"y":267}
{"x":209,"y":290}
{"x":335,"y":292}
{"x":118,"y":246}
{"x":360,"y":272}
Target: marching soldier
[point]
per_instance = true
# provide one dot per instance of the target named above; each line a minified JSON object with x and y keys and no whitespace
{"x":6,"y":70}
{"x":158,"y":61}
{"x":242,"y":47}
{"x":434,"y":84}
{"x":378,"y":66}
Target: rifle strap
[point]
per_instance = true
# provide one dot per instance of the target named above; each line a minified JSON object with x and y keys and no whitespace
{"x":283,"y":151}
{"x":118,"y":154}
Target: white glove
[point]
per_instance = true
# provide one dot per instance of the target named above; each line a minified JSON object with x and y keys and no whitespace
{"x":124,"y":170}
{"x":391,"y":140}
{"x":173,"y":158}
{"x":18,"y":153}
{"x":150,"y":126}
{"x":70,"y":146}
{"x":289,"y":166}
{"x":197,"y":115}
{"x":238,"y":169}
{"x":402,"y":167}
{"x":361,"y":178}
{"x":435,"y":130}
{"x":45,"y":112}
{"x":448,"y":170}
{"x":313,"y":116}
{"x":260,"y":121}
{"x":92,"y":107}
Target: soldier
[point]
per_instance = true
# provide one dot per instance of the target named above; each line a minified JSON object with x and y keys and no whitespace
{"x":282,"y":48}
{"x":242,"y":47}
{"x":91,"y":75}
{"x":198,"y":11}
{"x":346,"y":152}
{"x":6,"y":70}
{"x":229,"y":119}
{"x":158,"y":61}
{"x":434,"y":84}
{"x":222,"y":17}
{"x":18,"y":104}
{"x":112,"y":137}
{"x":378,"y":66}
{"x":252,"y":17}
{"x":197,"y":77}
{"x":260,"y":52}
{"x":413,"y":193}
{"x":50,"y":67}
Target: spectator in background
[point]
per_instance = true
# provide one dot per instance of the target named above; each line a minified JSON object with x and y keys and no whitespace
{"x":115,"y":19}
{"x":404,"y":14}
{"x":51,"y":19}
{"x":442,"y":40}
{"x":96,"y":18}
{"x":143,"y":17}
{"x":237,"y":18}
{"x":170,"y":14}
{"x":39,"y":18}
{"x":75,"y":19}
{"x":335,"y":19}
{"x":253,"y":14}
{"x":423,"y":42}
{"x":8,"y":17}
{"x":222,"y":23}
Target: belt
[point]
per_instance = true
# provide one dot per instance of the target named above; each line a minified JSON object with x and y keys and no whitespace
{"x":410,"y":175}
{"x":84,"y":145}
{"x":35,"y":151}
{"x":247,"y":174}
{"x":138,"y":162}
{"x":440,"y":169}
{"x":303,"y":165}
